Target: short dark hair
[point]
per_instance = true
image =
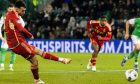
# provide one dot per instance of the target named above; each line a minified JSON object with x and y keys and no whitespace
{"x":102,"y":17}
{"x":11,"y":5}
{"x":20,"y":3}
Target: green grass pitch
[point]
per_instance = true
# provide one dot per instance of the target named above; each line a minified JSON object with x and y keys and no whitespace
{"x":109,"y":70}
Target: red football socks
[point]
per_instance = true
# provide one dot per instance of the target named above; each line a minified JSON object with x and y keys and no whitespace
{"x":35,"y":73}
{"x":93,"y":61}
{"x":50,"y":56}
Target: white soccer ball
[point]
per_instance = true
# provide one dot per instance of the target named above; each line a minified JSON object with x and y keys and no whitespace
{"x":131,"y":75}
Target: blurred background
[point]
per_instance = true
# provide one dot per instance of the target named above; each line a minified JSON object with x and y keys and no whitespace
{"x":66,"y":19}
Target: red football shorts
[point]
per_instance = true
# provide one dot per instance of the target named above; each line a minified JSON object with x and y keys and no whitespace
{"x":25,"y":50}
{"x":97,"y":42}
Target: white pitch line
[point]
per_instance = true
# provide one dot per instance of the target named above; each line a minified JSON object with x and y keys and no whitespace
{"x":110,"y":70}
{"x":65,"y":71}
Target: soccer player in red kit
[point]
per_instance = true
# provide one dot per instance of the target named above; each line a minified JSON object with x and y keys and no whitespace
{"x":101,"y":32}
{"x":18,"y":44}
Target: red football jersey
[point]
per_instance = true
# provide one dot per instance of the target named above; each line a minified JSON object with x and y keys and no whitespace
{"x":98,"y":30}
{"x":13,"y":34}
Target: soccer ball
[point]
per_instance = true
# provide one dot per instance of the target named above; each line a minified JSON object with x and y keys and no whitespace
{"x":131,"y":75}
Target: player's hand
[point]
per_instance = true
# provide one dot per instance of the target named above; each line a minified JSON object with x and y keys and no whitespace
{"x":90,"y":35}
{"x":126,"y":36}
{"x":32,"y":37}
{"x":99,"y":37}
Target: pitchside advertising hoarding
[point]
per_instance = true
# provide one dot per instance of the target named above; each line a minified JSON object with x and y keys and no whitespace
{"x":82,"y":46}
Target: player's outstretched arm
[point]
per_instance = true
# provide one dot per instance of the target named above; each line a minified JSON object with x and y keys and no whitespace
{"x":1,"y":23}
{"x":14,"y":19}
{"x":24,"y":30}
{"x":127,"y":30}
{"x":88,"y":29}
{"x":88,"y":26}
{"x":89,"y":22}
{"x":20,"y":27}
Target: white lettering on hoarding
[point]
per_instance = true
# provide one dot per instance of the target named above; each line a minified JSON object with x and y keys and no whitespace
{"x":57,"y":46}
{"x":82,"y":47}
{"x":67,"y":46}
{"x":72,"y":46}
{"x":51,"y":46}
{"x":76,"y":46}
{"x":62,"y":46}
{"x":44,"y":45}
{"x":127,"y":47}
{"x":109,"y":47}
{"x":119,"y":47}
{"x":38,"y":44}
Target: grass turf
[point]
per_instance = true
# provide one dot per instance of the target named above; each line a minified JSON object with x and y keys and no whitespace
{"x":109,"y":70}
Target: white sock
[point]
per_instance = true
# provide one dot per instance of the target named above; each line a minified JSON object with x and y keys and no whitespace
{"x":11,"y":65}
{"x":136,"y":63}
{"x":2,"y":65}
{"x":60,"y":59}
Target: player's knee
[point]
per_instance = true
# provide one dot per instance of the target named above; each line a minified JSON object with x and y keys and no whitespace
{"x":96,"y":51}
{"x":94,"y":54}
{"x":32,"y":54}
{"x":34,"y":64}
{"x":38,"y":51}
{"x":29,"y":57}
{"x":33,"y":60}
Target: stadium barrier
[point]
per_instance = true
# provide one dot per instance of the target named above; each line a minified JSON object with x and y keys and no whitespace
{"x":82,"y":46}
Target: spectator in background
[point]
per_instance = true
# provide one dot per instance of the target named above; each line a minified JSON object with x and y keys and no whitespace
{"x":58,"y":13}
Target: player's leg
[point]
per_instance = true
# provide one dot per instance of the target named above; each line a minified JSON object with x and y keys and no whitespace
{"x":2,"y":58}
{"x":92,"y":61}
{"x":125,"y":58}
{"x":136,"y":42}
{"x":34,"y":70}
{"x":12,"y":60}
{"x":4,"y":48}
{"x":131,"y":55}
{"x":28,"y":53}
{"x":94,"y":56}
{"x":46,"y":55}
{"x":136,"y":60}
{"x":137,"y":48}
